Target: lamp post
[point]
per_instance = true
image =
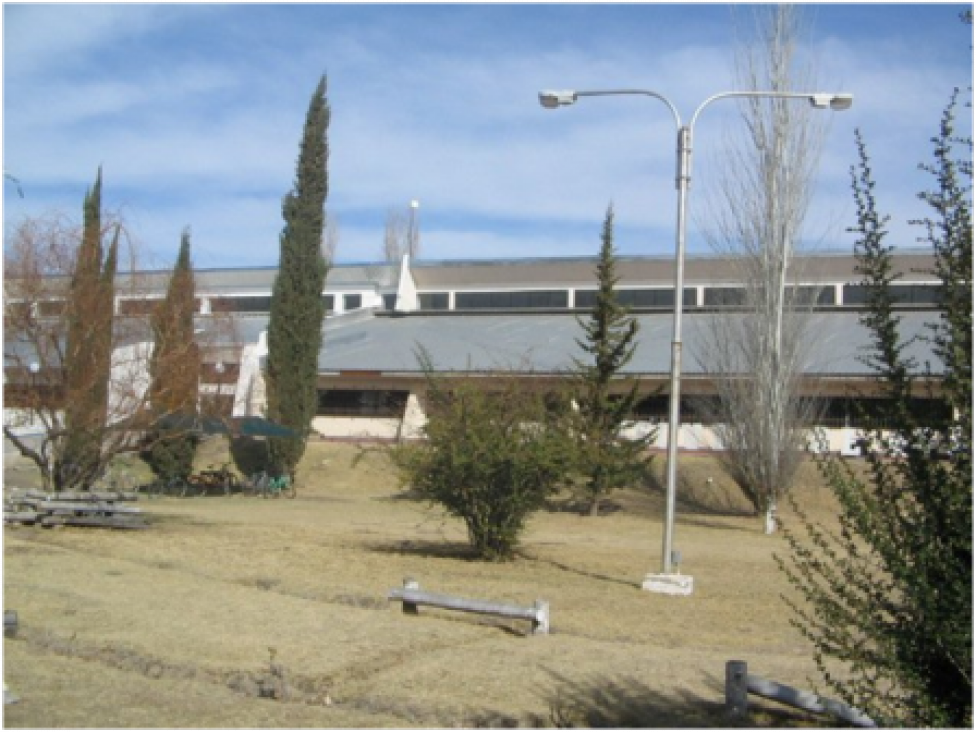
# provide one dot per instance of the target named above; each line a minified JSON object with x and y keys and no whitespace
{"x":413,"y":238}
{"x":669,"y":582}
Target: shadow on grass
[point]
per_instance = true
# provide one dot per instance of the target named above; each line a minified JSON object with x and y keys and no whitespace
{"x":703,"y":498}
{"x":625,"y":702}
{"x":574,"y":570}
{"x":434,"y":549}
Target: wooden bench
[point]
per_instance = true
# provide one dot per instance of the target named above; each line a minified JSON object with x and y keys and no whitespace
{"x":739,"y":683}
{"x":102,"y":509}
{"x":412,"y":597}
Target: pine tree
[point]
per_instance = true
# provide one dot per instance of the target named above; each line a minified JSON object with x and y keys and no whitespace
{"x":174,"y":369}
{"x":297,"y":307}
{"x":890,"y":594}
{"x":606,"y":460}
{"x":88,"y":349}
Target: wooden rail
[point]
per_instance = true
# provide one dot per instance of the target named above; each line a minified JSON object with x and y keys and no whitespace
{"x":412,"y":597}
{"x":739,"y":684}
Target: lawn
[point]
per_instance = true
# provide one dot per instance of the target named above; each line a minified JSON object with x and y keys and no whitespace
{"x":179,"y":625}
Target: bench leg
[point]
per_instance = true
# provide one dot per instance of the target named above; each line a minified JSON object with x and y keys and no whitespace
{"x":410,"y":608}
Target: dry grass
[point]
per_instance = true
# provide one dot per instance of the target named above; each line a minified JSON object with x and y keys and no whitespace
{"x":174,"y":626}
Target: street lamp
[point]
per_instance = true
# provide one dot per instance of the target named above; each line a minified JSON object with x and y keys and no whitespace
{"x":413,"y":240}
{"x":667,"y":581}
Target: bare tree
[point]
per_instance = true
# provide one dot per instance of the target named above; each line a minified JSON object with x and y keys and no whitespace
{"x":40,"y":378}
{"x":330,"y":238}
{"x":759,"y":206}
{"x":401,"y":234}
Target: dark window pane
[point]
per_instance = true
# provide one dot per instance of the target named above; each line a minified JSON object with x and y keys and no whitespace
{"x":434,"y":301}
{"x":362,"y":403}
{"x":352,"y":302}
{"x":243,"y":304}
{"x":50,"y":308}
{"x":529,"y":299}
{"x":329,"y":302}
{"x":813,"y":294}
{"x":724,"y":296}
{"x":137,"y":307}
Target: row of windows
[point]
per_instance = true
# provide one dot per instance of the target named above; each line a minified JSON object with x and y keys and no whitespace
{"x":859,"y":413}
{"x":663,"y":298}
{"x":714,"y":297}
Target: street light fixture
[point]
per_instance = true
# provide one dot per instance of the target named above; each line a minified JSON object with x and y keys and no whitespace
{"x":669,"y":582}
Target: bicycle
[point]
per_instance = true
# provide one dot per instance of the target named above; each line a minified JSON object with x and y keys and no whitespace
{"x":281,"y":486}
{"x":219,"y":480}
{"x":268,"y":486}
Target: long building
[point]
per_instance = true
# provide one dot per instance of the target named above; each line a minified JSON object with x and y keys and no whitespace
{"x":479,"y":318}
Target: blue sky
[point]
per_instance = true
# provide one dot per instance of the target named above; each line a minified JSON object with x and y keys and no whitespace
{"x":195,"y":114}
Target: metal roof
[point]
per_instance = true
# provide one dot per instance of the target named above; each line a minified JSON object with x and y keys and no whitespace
{"x":645,"y":270}
{"x":546,"y":343}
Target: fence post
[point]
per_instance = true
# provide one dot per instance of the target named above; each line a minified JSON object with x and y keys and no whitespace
{"x":540,"y":624}
{"x":410,"y":608}
{"x":736,"y":689}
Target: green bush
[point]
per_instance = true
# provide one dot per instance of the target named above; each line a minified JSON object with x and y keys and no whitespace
{"x":491,"y":458}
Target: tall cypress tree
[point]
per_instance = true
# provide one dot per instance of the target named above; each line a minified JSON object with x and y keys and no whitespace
{"x":297,"y":307}
{"x":606,"y":460}
{"x":88,"y":349}
{"x":175,"y":368}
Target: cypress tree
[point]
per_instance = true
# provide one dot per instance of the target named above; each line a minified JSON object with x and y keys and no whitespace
{"x":88,"y":349}
{"x":174,"y":369}
{"x":606,"y":460}
{"x":297,"y":307}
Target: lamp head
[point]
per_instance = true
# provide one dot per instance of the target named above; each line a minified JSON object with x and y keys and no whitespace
{"x":553,"y":99}
{"x":840,"y":102}
{"x":836,"y":102}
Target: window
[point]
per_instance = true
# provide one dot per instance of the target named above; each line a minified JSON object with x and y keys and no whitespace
{"x":352,"y":302}
{"x":528,"y":299}
{"x":869,"y":413}
{"x":329,"y":302}
{"x":657,"y":298}
{"x":362,"y":403}
{"x":657,"y":408}
{"x":813,"y":294}
{"x":51,"y":308}
{"x":228,"y":373}
{"x":900,"y":294}
{"x":137,"y":307}
{"x":241,"y":304}
{"x":389,"y":302}
{"x":434,"y":301}
{"x":724,"y":297}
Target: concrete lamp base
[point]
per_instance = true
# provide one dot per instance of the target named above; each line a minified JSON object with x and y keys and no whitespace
{"x":669,"y":584}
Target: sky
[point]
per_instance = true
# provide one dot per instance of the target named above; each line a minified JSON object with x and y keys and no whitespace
{"x":195,"y":113}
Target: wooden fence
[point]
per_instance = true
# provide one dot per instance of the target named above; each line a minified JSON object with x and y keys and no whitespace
{"x":412,"y":597}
